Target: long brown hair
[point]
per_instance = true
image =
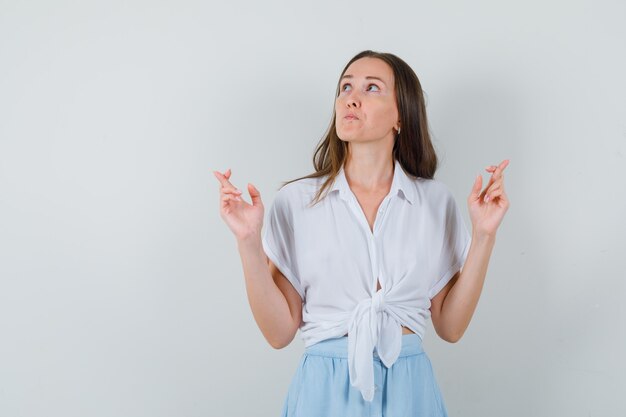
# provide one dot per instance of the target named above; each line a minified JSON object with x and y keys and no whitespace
{"x":412,"y":148}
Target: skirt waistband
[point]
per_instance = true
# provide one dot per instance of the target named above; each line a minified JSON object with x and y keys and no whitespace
{"x":338,"y":347}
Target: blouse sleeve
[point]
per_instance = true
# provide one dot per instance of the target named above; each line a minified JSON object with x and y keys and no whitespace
{"x":278,"y":240}
{"x":454,"y":246}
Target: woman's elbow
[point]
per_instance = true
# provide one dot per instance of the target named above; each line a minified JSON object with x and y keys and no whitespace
{"x":280,"y":341}
{"x":450,"y":336}
{"x":452,"y":339}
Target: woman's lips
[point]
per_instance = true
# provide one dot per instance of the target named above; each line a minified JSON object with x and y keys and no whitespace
{"x":351,"y":117}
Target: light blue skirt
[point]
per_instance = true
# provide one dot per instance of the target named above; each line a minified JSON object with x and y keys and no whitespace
{"x":321,"y":385}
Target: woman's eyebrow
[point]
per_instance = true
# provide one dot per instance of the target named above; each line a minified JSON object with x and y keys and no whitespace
{"x":369,"y":77}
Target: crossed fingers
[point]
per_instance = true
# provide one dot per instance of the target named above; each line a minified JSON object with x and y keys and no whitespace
{"x":495,"y":186}
{"x":228,"y":191}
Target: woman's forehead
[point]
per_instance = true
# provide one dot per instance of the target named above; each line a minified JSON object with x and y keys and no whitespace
{"x":370,"y":67}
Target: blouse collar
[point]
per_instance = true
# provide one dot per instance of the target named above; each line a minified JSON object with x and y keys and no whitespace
{"x":400,"y":182}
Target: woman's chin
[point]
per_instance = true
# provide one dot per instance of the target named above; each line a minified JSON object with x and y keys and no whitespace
{"x":347,"y":136}
{"x":352,"y":138}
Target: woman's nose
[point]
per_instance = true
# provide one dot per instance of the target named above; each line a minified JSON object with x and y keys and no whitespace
{"x":353,"y":101}
{"x":349,"y":99}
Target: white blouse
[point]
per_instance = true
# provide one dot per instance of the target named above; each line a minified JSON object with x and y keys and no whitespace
{"x":333,"y":259}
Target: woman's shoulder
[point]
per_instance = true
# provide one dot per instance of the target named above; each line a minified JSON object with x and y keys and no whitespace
{"x":431,"y":186}
{"x":298,"y":191}
{"x":301,"y":185}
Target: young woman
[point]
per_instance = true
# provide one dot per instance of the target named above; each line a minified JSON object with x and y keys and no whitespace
{"x":361,"y":269}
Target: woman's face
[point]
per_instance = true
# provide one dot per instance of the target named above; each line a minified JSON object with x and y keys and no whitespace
{"x":366,"y":105}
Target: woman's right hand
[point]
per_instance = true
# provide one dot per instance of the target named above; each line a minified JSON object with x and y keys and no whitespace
{"x":244,"y":220}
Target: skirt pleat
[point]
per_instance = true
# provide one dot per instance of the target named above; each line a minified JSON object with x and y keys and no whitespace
{"x":321,"y":384}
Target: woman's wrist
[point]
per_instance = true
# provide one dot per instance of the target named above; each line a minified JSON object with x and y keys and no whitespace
{"x":483,"y":237}
{"x":250,"y":241}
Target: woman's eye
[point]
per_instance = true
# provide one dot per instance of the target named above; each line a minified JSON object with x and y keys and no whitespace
{"x":343,"y":87}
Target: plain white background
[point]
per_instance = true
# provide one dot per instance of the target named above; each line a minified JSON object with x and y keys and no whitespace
{"x":121,"y":289}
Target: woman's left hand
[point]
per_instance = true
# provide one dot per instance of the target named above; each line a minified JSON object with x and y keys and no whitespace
{"x":487,"y":208}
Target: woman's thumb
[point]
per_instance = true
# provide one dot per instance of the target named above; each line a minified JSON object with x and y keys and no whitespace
{"x":478,"y":183}
{"x":255,"y":195}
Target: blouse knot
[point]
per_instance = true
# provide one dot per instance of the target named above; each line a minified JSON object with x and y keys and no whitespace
{"x":372,"y":326}
{"x":378,"y":301}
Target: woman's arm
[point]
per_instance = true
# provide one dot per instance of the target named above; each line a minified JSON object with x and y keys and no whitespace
{"x":453,"y":307}
{"x":276,"y":305}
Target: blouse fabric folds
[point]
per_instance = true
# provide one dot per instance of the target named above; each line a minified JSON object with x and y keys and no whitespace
{"x":333,"y":260}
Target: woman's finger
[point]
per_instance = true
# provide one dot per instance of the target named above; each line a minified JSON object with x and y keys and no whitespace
{"x":496,"y":174}
{"x":223,"y":179}
{"x":493,"y":184}
{"x":489,"y":183}
{"x":229,"y":197}
{"x":496,"y":183}
{"x":490,"y":192}
{"x":499,"y":193}
{"x":500,"y":168}
{"x":231,"y":190}
{"x":497,"y":168}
